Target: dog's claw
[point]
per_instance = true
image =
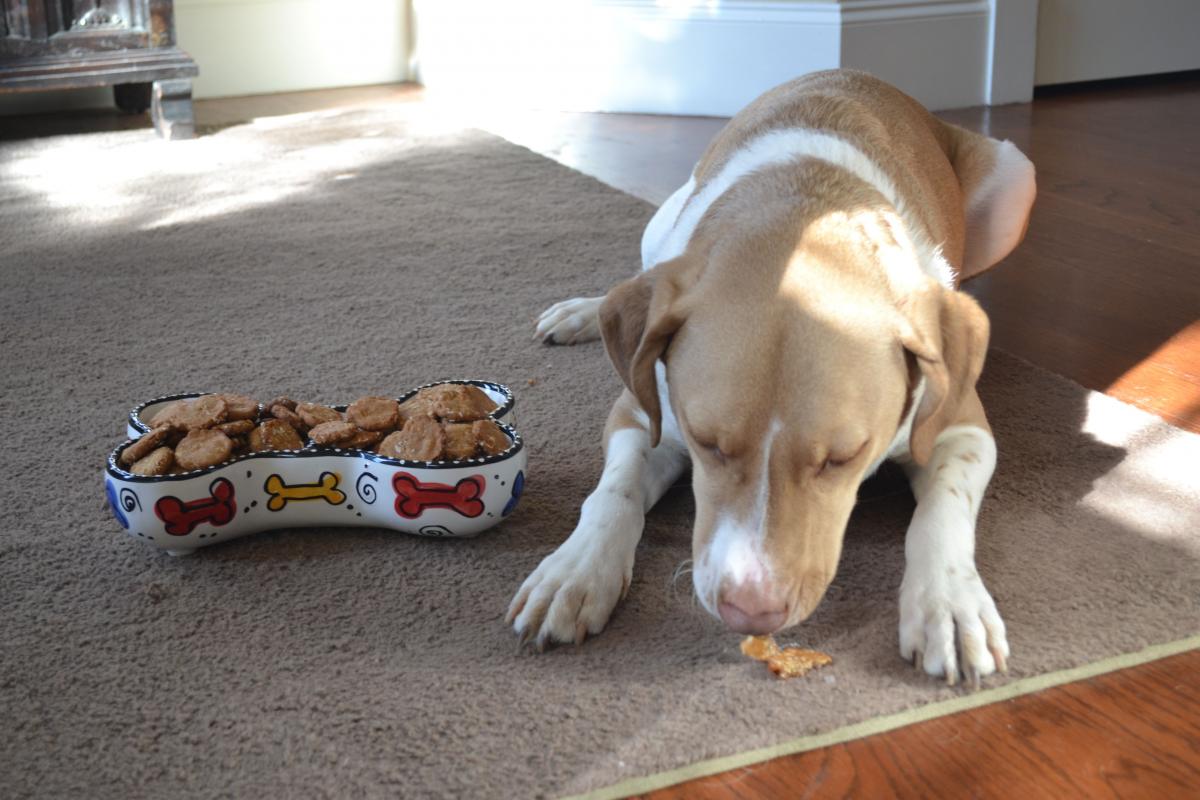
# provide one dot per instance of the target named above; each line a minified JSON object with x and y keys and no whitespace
{"x":1001,"y":662}
{"x":951,"y":677}
{"x":517,"y":606}
{"x":918,"y":659}
{"x":526,"y":636}
{"x":580,"y":633}
{"x":974,"y":678}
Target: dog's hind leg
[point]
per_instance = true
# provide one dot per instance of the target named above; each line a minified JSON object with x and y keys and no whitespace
{"x":574,"y":590}
{"x":570,"y":322}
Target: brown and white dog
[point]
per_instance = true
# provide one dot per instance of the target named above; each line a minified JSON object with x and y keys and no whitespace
{"x":795,"y":323}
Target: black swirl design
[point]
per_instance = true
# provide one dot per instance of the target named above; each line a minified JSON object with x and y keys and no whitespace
{"x":365,"y":488}
{"x":129,"y":500}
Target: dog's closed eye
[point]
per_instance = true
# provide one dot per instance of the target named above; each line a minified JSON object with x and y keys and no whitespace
{"x":834,"y":461}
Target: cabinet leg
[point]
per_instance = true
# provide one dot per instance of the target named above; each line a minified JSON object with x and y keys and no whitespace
{"x":132,"y":98}
{"x":171,"y":109}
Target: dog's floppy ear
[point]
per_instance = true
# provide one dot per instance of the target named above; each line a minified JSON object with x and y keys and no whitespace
{"x":637,"y":320}
{"x":947,"y":333}
{"x":998,"y":184}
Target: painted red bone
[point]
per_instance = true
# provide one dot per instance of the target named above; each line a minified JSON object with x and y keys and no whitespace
{"x":182,"y":518}
{"x":413,"y":497}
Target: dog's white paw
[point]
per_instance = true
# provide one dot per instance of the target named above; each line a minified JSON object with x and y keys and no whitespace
{"x":570,"y":322}
{"x":571,"y":594}
{"x":948,"y":605}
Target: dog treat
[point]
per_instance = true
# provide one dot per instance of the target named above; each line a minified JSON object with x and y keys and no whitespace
{"x":491,"y":440}
{"x":203,"y":412}
{"x":388,"y":446}
{"x":314,"y":414}
{"x":447,"y":421}
{"x":166,"y":416}
{"x":280,"y":411}
{"x":158,"y":462}
{"x":452,"y":402}
{"x":143,"y":446}
{"x":788,"y":662}
{"x":240,"y":407}
{"x":332,"y":432}
{"x":363,"y":440}
{"x":421,"y":439}
{"x":463,"y":403}
{"x":203,"y":448}
{"x":374,"y":413}
{"x":793,"y":662}
{"x":237,"y":428}
{"x":274,"y":434}
{"x":460,"y":441}
{"x":282,"y":400}
{"x":760,"y":648}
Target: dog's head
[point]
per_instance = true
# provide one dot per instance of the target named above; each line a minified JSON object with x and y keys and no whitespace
{"x":792,"y":364}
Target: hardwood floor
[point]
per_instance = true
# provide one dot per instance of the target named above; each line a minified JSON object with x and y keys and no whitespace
{"x":1129,"y":734}
{"x":1105,"y":290}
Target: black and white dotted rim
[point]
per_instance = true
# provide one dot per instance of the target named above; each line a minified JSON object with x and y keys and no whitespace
{"x":135,"y":415}
{"x":312,"y":450}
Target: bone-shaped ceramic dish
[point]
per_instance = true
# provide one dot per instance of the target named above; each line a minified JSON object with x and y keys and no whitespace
{"x":316,"y":487}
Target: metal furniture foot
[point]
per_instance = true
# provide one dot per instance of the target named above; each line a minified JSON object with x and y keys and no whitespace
{"x":171,"y":109}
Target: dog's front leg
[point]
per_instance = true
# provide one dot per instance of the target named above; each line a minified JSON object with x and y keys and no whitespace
{"x":573,"y":591}
{"x":942,"y":593}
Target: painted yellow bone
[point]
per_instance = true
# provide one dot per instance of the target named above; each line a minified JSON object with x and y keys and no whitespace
{"x":324,"y":489}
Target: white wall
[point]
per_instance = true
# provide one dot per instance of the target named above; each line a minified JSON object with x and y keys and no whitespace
{"x":259,"y":46}
{"x":619,"y":55}
{"x":1087,"y":40}
{"x":701,"y":56}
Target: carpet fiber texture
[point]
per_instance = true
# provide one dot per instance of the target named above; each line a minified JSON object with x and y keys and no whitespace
{"x":348,"y":253}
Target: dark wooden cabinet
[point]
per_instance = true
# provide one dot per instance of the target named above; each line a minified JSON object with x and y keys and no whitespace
{"x":126,"y":44}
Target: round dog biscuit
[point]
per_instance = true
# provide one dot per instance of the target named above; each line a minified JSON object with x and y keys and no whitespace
{"x":315,"y":414}
{"x":203,"y":448}
{"x":143,"y":446}
{"x":490,"y":437}
{"x":458,"y":402}
{"x":374,"y":413}
{"x":460,"y":440}
{"x":332,"y":432}
{"x":167,"y":415}
{"x":203,"y":412}
{"x":157,"y":463}
{"x":240,"y":406}
{"x":421,"y":440}
{"x":236,"y":428}
{"x":363,"y":440}
{"x":274,"y":434}
{"x":289,"y":416}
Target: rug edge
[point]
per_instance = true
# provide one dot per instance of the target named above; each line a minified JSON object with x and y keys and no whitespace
{"x":890,"y":722}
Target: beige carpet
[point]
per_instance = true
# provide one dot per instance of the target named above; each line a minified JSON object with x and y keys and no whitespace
{"x":347,"y":253}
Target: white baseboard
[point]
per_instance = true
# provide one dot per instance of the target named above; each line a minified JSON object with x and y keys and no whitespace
{"x":691,"y":56}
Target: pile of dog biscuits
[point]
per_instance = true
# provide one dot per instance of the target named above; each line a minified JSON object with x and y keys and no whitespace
{"x":448,"y":421}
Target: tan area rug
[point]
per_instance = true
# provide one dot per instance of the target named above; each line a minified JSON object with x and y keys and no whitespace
{"x":347,"y":253}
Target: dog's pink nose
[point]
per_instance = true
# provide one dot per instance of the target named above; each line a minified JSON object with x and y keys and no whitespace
{"x":752,"y":607}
